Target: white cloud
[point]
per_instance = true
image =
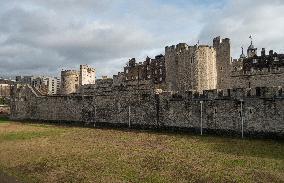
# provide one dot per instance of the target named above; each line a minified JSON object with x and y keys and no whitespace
{"x":39,"y":36}
{"x":240,"y":19}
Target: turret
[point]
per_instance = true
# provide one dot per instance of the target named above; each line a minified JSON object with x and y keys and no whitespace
{"x":242,"y":56}
{"x":223,"y":60}
{"x":132,"y":62}
{"x":263,"y":52}
{"x":252,"y":51}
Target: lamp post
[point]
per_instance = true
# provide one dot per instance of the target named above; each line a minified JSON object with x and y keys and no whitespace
{"x":242,"y":118}
{"x":201,"y":118}
{"x":129,"y":116}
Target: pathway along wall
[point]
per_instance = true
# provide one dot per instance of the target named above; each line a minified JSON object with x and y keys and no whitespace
{"x":262,"y":115}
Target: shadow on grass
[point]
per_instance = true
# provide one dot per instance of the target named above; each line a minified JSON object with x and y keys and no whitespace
{"x":222,"y":143}
{"x":263,"y":148}
{"x":4,"y":119}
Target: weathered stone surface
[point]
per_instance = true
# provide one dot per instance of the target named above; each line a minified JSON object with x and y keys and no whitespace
{"x":144,"y":108}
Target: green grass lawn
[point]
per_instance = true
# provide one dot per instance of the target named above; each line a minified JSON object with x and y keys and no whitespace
{"x":4,"y":120}
{"x":45,"y":153}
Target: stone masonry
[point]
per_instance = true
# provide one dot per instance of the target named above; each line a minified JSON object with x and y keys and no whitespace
{"x":69,"y":81}
{"x":191,"y":87}
{"x":190,"y":67}
{"x":217,"y":111}
{"x":73,"y":80}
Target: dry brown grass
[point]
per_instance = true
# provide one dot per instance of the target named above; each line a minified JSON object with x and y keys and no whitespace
{"x":69,"y":154}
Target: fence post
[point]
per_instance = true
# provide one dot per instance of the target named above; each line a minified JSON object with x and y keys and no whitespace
{"x":95,"y":111}
{"x":129,"y":118}
{"x":242,"y":118}
{"x":201,"y":120}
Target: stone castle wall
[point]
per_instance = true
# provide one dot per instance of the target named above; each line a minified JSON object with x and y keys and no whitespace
{"x":257,"y":78}
{"x":219,"y":111}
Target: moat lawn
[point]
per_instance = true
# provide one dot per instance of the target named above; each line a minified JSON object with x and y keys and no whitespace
{"x":46,"y":153}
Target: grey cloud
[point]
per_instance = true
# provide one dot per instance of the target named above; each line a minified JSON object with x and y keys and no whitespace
{"x":39,"y":36}
{"x":240,"y":19}
{"x":36,"y":41}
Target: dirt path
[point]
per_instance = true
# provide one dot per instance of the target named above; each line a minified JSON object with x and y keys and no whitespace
{"x":7,"y":179}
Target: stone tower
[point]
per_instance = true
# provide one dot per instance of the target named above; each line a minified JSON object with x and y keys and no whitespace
{"x":223,"y":61}
{"x":251,"y":51}
{"x":69,"y":82}
{"x":87,"y":75}
{"x":190,"y":67}
{"x":171,"y":64}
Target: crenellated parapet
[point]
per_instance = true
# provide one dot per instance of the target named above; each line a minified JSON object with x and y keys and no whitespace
{"x":260,"y":109}
{"x":227,"y":94}
{"x":69,"y":81}
{"x":255,"y":71}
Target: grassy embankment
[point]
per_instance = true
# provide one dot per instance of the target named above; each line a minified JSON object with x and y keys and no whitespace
{"x":45,"y":153}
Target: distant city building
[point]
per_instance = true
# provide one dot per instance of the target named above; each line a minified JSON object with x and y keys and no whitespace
{"x":25,"y":79}
{"x":5,"y":87}
{"x":52,"y":84}
{"x":47,"y":85}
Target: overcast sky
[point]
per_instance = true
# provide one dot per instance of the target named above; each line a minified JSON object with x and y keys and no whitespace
{"x":42,"y":37}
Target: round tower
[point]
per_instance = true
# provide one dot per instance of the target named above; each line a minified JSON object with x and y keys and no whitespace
{"x":69,"y":81}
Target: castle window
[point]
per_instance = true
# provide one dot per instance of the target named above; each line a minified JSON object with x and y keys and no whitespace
{"x":221,"y":68}
{"x":257,"y":91}
{"x":276,"y":59}
{"x":280,"y":91}
{"x":126,"y":71}
{"x":254,"y":61}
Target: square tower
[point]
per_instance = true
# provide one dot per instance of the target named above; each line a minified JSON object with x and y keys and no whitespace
{"x":87,"y":75}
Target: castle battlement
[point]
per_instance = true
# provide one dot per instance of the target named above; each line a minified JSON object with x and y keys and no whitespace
{"x":255,"y":71}
{"x":218,"y":41}
{"x":201,"y":83}
{"x":227,"y":94}
{"x":69,"y":72}
{"x":170,"y":48}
